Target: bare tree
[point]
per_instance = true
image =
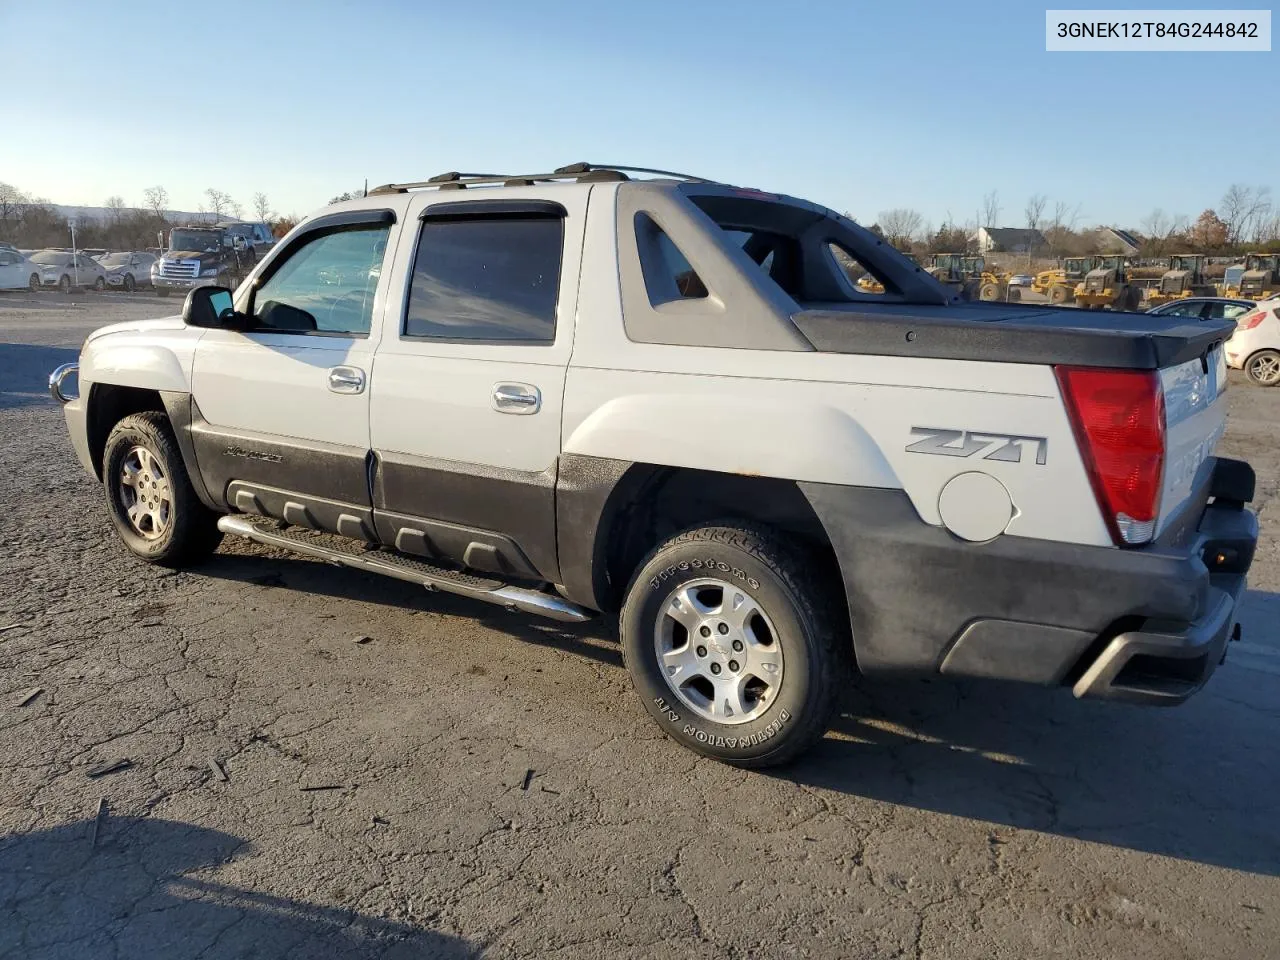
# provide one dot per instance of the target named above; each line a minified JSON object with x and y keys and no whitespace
{"x":1241,"y":207}
{"x":991,"y":209}
{"x":900,"y":225}
{"x":1035,"y":210}
{"x":157,"y":199}
{"x":12,"y":201}
{"x":262,"y":207}
{"x":115,"y":208}
{"x":218,"y":202}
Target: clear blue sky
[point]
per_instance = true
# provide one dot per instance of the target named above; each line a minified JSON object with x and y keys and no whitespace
{"x":861,"y":106}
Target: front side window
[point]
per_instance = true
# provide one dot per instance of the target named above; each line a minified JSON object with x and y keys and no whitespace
{"x":486,"y":278}
{"x":326,"y":285}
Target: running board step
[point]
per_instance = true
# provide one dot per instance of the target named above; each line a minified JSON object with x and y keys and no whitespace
{"x":323,"y":547}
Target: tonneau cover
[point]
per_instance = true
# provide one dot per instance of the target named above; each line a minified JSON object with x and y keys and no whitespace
{"x":1010,"y":333}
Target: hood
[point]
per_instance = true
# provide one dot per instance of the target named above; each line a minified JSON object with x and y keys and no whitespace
{"x":192,"y":254}
{"x":137,"y":326}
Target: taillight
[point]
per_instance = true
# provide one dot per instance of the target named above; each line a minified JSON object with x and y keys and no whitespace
{"x":1251,"y":320}
{"x":1118,"y":419}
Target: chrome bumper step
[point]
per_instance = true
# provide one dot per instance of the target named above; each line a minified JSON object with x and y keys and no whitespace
{"x":354,"y":554}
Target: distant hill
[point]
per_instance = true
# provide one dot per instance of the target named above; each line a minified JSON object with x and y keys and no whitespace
{"x":102,"y":214}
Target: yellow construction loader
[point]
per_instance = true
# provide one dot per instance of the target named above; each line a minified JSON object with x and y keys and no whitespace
{"x":1259,"y":280}
{"x":1184,"y":278}
{"x":869,"y":284}
{"x":1059,"y":284}
{"x":963,"y":272}
{"x":1107,"y":285}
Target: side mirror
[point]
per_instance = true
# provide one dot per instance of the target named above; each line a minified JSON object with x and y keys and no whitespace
{"x":209,"y":307}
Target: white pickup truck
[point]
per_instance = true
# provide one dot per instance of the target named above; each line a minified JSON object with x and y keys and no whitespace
{"x":670,"y":400}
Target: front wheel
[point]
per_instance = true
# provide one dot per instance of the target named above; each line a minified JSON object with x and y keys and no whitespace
{"x":129,"y":283}
{"x":733,"y":647}
{"x":150,"y":497}
{"x":33,"y":282}
{"x":100,"y":284}
{"x":65,"y":284}
{"x":1263,"y":368}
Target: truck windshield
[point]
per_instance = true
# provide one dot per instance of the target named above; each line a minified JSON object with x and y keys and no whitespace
{"x":203,"y":241}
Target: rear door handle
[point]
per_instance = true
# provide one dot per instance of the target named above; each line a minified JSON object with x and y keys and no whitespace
{"x":517,"y":398}
{"x":346,"y":380}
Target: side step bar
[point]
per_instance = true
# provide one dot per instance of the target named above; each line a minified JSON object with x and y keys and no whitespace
{"x":325,"y":547}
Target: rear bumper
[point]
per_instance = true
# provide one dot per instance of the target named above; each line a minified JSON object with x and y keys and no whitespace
{"x":1142,"y":625}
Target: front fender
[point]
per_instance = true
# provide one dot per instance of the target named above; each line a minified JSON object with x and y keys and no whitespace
{"x":787,"y":439}
{"x":124,"y":364}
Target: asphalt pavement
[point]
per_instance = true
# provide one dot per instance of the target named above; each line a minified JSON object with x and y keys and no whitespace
{"x":272,"y":757}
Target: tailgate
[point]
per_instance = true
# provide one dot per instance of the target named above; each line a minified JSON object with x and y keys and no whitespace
{"x":1195,"y":418}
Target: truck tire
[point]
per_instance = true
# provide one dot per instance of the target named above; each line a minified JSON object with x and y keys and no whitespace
{"x":149,"y":495}
{"x":734,"y":648}
{"x":1059,"y":293}
{"x":989,"y":291}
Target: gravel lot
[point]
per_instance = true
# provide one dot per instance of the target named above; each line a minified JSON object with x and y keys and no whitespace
{"x":374,"y":799}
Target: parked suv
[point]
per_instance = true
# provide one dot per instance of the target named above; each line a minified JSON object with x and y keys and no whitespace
{"x":665,"y":400}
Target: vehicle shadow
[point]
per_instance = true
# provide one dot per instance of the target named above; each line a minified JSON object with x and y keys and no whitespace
{"x":147,"y":889}
{"x":595,"y":639}
{"x":1198,"y":782}
{"x":1195,"y":783}
{"x":24,"y":373}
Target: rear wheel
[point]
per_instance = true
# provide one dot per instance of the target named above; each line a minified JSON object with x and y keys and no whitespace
{"x":1263,"y":368}
{"x":734,"y":647}
{"x":152,"y":503}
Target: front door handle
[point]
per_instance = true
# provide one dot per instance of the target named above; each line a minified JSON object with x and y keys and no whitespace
{"x":346,"y":380}
{"x":517,"y":398}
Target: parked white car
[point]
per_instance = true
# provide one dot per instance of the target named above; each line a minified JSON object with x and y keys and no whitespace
{"x":64,"y":270}
{"x":1255,"y":346}
{"x":16,"y":271}
{"x":128,"y":270}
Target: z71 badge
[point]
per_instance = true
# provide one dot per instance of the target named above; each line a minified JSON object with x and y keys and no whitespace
{"x":969,"y":443}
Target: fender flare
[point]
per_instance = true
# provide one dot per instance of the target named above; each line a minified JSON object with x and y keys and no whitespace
{"x":139,"y":365}
{"x":786,"y":440}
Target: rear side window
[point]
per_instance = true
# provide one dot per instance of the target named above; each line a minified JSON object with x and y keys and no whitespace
{"x":668,"y":275}
{"x":486,"y":278}
{"x":859,"y":277}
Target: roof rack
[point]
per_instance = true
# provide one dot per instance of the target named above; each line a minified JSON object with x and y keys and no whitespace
{"x":579,"y":172}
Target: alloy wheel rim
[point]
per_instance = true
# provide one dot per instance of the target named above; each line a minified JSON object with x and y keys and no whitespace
{"x":718,"y":651}
{"x":145,"y":493}
{"x":1266,"y":369}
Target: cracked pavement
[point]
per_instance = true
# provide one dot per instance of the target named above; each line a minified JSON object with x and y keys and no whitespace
{"x":375,"y":800}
